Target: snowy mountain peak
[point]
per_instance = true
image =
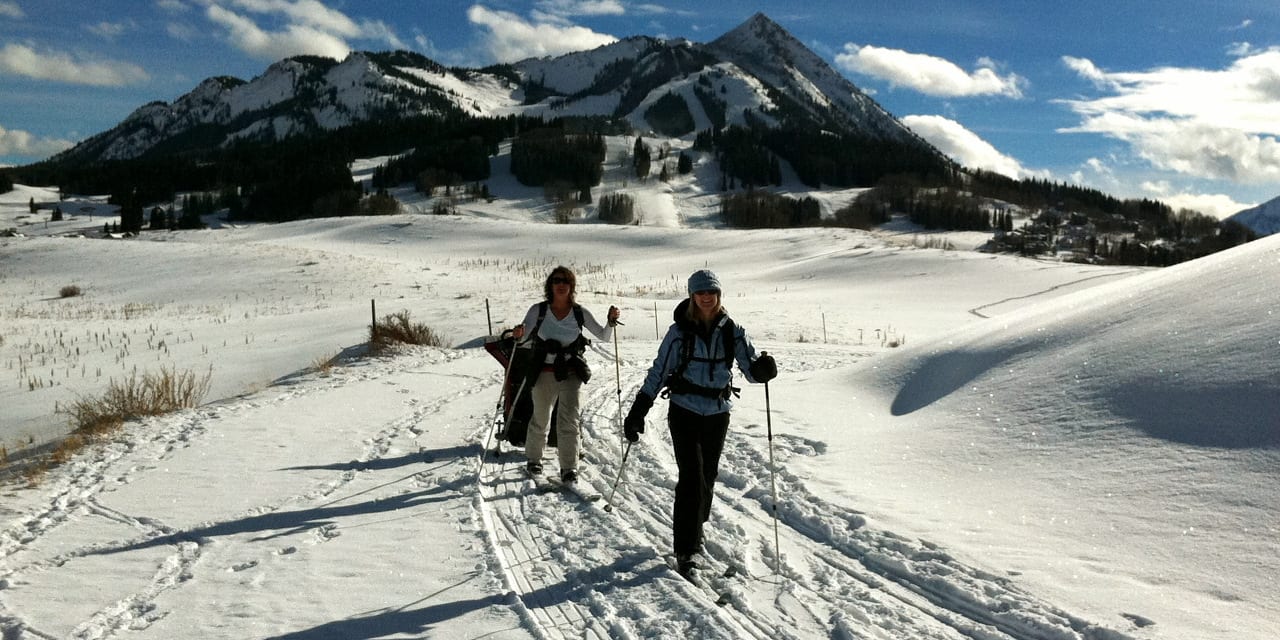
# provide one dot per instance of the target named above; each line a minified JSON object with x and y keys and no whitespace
{"x":1263,"y":219}
{"x":768,"y":51}
{"x":758,"y":72}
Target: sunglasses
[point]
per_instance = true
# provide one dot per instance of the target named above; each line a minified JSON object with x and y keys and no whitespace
{"x":561,"y":281}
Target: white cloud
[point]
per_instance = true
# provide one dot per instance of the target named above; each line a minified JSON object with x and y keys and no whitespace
{"x":927,"y":74}
{"x":172,"y":6}
{"x":1217,"y":124}
{"x":1216,"y":205}
{"x":245,"y":35}
{"x":965,"y":146}
{"x":512,"y":38}
{"x":1087,"y":70}
{"x":11,"y":10}
{"x":21,"y":60}
{"x":306,"y":27}
{"x":22,"y":143}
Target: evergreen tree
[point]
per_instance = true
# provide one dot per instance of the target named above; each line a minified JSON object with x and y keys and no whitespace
{"x":640,"y":158}
{"x":684,"y":164}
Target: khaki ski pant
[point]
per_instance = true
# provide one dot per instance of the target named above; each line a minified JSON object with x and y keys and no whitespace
{"x":546,"y":391}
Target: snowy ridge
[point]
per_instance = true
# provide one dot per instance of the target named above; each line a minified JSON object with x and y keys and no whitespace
{"x":575,"y":72}
{"x":1263,"y":219}
{"x":308,"y":94}
{"x":768,"y":51}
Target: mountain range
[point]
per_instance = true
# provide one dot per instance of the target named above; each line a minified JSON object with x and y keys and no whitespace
{"x":755,"y":74}
{"x":758,"y":71}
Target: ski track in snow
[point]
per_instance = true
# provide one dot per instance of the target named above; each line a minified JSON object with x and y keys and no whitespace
{"x":569,"y":568}
{"x":565,"y":558}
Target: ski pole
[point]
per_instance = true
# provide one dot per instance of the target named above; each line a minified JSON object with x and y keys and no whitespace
{"x":773,"y":486}
{"x":617,"y":370}
{"x":608,"y":502}
{"x":497,"y":410}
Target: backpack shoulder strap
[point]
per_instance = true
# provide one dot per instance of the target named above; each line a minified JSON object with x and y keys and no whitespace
{"x":577,"y":314}
{"x":729,"y":333}
{"x":542,"y":314}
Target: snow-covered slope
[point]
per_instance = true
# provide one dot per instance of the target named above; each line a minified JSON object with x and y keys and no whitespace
{"x":1032,"y":463}
{"x":1263,"y":219}
{"x":1126,"y":414}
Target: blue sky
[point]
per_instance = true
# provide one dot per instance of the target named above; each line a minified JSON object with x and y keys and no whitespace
{"x":1177,"y":99}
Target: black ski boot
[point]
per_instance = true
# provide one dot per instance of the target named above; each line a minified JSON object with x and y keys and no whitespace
{"x":687,"y":568}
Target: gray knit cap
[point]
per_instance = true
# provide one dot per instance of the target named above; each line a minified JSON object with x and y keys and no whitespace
{"x":703,"y":280}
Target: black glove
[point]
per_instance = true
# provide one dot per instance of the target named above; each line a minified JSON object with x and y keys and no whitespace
{"x":633,"y":425}
{"x":764,"y":368}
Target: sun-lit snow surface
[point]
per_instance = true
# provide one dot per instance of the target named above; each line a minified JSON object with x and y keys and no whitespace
{"x":1055,"y":451}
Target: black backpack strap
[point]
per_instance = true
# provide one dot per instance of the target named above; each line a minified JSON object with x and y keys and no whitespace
{"x":729,"y":334}
{"x":677,"y":383}
{"x":542,"y":314}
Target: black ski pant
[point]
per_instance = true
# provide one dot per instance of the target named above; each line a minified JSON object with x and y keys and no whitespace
{"x":698,"y":441}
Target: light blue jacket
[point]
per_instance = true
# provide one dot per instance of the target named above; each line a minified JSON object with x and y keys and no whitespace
{"x":706,"y":369}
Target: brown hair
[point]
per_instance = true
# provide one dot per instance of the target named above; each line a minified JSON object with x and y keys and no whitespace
{"x":561,"y":272}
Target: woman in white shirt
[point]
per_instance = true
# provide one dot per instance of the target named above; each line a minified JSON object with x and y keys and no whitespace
{"x":556,"y":328}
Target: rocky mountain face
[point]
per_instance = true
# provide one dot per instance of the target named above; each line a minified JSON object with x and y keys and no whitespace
{"x":756,"y":73}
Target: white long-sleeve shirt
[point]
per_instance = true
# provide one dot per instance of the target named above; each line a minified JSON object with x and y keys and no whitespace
{"x":564,"y":330}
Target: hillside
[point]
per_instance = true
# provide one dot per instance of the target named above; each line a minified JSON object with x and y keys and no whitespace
{"x":1263,"y":219}
{"x":1054,"y":451}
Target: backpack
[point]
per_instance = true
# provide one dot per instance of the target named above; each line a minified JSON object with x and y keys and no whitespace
{"x":527,"y":363}
{"x":677,"y":383}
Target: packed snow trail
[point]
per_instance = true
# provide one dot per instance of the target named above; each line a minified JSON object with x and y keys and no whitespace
{"x":837,"y":576}
{"x":349,"y":504}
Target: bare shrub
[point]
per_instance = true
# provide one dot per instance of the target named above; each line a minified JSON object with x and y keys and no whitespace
{"x":325,"y":363}
{"x":69,"y":291}
{"x":398,"y":328}
{"x":150,"y":395}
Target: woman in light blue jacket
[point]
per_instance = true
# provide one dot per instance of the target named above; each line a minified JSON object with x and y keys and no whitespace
{"x":694,"y":369}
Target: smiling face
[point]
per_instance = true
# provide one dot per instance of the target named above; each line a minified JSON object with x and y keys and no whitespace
{"x":707,"y":303}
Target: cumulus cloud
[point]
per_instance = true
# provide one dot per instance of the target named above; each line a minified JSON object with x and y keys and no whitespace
{"x":21,"y":60}
{"x":965,"y":146}
{"x":302,"y":27}
{"x":11,"y":10}
{"x":22,"y":143}
{"x":245,"y":35}
{"x":927,"y":74}
{"x":1211,"y":204}
{"x":1218,"y":124}
{"x":513,"y":38}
